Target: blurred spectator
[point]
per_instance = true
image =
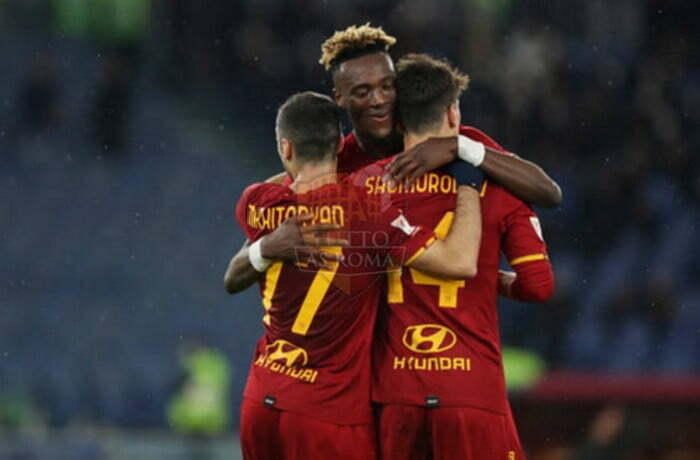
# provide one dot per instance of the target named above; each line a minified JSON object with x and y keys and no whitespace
{"x":110,"y":113}
{"x":605,"y":95}
{"x":605,"y":439}
{"x":39,"y":97}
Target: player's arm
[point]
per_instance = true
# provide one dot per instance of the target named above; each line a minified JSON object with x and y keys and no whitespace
{"x":240,"y":273}
{"x":532,"y":279}
{"x":522,"y":178}
{"x":294,"y":240}
{"x":456,"y":256}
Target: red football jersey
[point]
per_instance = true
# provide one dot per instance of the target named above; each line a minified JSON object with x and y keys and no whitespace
{"x":437,"y":342}
{"x":314,"y":356}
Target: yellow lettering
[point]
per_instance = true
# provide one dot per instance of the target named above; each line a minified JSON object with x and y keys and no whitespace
{"x":251,"y":216}
{"x":433,"y":183}
{"x":422,"y":184}
{"x":433,"y":364}
{"x":280,"y":215}
{"x":446,"y":184}
{"x":266,"y":218}
{"x":445,"y":364}
{"x":338,"y":215}
{"x":307,"y":375}
{"x":296,"y":372}
{"x":325,"y":215}
{"x":369,"y":184}
{"x":291,"y":211}
{"x":380,"y":187}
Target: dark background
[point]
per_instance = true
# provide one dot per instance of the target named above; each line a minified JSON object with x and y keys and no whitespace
{"x":129,"y":128}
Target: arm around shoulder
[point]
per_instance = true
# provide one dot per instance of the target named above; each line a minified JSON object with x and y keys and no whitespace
{"x":457,"y":255}
{"x":240,"y":273}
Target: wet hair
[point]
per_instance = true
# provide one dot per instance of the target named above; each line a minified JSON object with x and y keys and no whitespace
{"x":425,"y":88}
{"x":353,"y":42}
{"x":311,"y":122}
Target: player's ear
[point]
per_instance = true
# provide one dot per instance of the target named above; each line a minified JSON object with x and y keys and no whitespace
{"x":338,"y":97}
{"x":453,"y":115}
{"x":286,"y":149}
{"x":341,"y":143}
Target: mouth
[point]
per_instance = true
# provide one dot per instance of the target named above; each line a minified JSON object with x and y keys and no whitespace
{"x":380,"y":117}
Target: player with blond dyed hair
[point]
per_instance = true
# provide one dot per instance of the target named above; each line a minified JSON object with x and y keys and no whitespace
{"x":363,"y":77}
{"x":364,"y":85}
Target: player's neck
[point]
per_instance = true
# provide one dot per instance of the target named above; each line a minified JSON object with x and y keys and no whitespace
{"x":314,"y":175}
{"x":381,"y":148}
{"x":411,"y":140}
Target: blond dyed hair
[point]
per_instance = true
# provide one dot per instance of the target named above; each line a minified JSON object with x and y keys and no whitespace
{"x":352,"y":42}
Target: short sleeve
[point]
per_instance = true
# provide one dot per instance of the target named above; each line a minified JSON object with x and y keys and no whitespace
{"x":254,"y":210}
{"x":523,"y":239}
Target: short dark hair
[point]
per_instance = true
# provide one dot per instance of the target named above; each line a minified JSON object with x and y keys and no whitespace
{"x":353,"y":42}
{"x":311,"y":121}
{"x":425,"y":87}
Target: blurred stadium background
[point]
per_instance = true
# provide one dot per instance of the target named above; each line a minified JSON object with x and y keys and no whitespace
{"x":128,"y":128}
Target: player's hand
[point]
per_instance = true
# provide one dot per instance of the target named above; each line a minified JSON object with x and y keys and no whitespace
{"x":506,"y":279}
{"x":298,"y":240}
{"x":422,"y":158}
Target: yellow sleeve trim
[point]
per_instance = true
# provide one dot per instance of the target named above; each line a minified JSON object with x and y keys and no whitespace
{"x":482,"y":193}
{"x":530,"y":258}
{"x":420,"y":251}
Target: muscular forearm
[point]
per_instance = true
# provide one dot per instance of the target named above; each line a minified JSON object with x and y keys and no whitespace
{"x":464,"y":238}
{"x":522,"y":178}
{"x":240,"y":274}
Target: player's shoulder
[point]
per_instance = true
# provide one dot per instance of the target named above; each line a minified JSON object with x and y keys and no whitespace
{"x":350,"y":147}
{"x":499,"y":200}
{"x":352,"y":157}
{"x":377,"y":168}
{"x":265,"y":193}
{"x":480,"y":136}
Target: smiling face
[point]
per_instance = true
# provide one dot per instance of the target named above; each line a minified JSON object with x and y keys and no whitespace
{"x":364,"y":86}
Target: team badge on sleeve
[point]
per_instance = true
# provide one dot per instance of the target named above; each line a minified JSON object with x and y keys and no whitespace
{"x":402,"y":224}
{"x":536,"y":225}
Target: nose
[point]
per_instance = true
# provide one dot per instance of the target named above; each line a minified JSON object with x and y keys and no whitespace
{"x":378,"y":97}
